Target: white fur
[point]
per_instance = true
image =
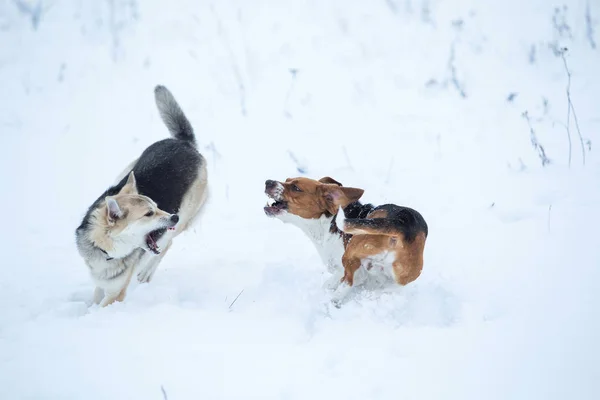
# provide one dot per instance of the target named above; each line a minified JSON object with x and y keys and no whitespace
{"x":381,"y":265}
{"x":277,"y":193}
{"x":329,"y":246}
{"x":340,"y":219}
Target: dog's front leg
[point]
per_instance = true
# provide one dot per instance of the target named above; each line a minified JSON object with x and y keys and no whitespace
{"x":333,"y":282}
{"x":351,"y":266}
{"x":118,"y":291}
{"x":149,"y":267}
{"x":98,"y":295}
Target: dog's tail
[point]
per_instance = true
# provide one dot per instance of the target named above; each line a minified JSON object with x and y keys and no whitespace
{"x":172,"y":116}
{"x":371,"y":226}
{"x":408,"y":229}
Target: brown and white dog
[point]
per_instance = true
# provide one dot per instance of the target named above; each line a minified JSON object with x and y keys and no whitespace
{"x":354,"y":240}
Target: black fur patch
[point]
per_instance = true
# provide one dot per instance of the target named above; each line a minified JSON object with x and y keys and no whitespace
{"x":352,"y":210}
{"x":408,"y":221}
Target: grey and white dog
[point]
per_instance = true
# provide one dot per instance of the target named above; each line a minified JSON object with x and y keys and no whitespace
{"x":153,"y":200}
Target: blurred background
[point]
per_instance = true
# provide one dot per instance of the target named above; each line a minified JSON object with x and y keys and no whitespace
{"x":481,"y":115}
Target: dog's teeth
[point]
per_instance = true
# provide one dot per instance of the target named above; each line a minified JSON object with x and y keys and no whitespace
{"x":270,"y":202}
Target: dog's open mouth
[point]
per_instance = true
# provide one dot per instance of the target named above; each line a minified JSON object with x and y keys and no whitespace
{"x":153,"y":237}
{"x":275,"y":207}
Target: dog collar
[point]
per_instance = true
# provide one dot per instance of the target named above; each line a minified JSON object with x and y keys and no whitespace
{"x":108,"y":258}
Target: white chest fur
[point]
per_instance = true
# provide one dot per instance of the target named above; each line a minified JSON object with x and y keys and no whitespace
{"x":330,"y":246}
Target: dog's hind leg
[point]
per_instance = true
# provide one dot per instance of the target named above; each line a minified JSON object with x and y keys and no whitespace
{"x":149,"y":268}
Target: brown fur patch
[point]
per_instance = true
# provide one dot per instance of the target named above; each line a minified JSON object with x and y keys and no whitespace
{"x":408,"y":257}
{"x":327,"y":179}
{"x":409,"y":261}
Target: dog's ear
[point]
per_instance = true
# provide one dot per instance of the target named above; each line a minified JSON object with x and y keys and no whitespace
{"x":351,"y":194}
{"x":327,"y":179}
{"x":130,"y":186}
{"x":335,"y":196}
{"x":113,"y":211}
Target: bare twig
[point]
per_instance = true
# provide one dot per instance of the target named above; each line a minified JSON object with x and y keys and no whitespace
{"x":569,"y":124}
{"x":571,"y":108}
{"x":559,"y":20}
{"x":300,"y":167}
{"x":34,"y":12}
{"x":286,"y":111}
{"x":392,"y":6}
{"x":453,"y":75}
{"x":589,"y":26}
{"x":535,"y":143}
{"x":532,"y":54}
{"x":164,"y":392}
{"x":545,"y":105}
{"x":426,"y":13}
{"x":389,"y":172}
{"x":549,"y":210}
{"x":114,"y":29}
{"x":234,"y":64}
{"x":241,"y":86}
{"x":347,"y":158}
{"x":234,"y":300}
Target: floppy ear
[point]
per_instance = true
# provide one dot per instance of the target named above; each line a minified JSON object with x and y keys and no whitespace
{"x":327,"y":179}
{"x":130,"y":186}
{"x":352,"y":194}
{"x":113,"y":211}
{"x":335,"y":196}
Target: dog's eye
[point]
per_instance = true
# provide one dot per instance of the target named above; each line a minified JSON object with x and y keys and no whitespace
{"x":296,"y":188}
{"x":149,"y":213}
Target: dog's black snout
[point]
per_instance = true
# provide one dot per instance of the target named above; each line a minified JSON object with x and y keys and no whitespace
{"x":269,"y":184}
{"x":175,"y":218}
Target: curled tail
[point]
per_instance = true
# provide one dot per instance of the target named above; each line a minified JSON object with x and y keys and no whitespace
{"x":172,"y":116}
{"x":380,"y":226}
{"x":371,"y":226}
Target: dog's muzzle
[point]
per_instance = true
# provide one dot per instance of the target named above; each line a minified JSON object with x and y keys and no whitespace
{"x":276,"y":204}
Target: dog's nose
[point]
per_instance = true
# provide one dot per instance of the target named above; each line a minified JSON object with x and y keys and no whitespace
{"x":175,"y":218}
{"x":270,"y":184}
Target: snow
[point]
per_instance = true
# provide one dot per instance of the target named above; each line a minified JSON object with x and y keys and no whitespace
{"x":506,"y":306}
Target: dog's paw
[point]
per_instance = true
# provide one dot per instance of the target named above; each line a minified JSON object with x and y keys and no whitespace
{"x":337,"y":303}
{"x":340,"y":219}
{"x":145,"y":275}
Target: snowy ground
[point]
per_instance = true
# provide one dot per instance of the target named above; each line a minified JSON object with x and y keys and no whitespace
{"x":507,"y":305}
